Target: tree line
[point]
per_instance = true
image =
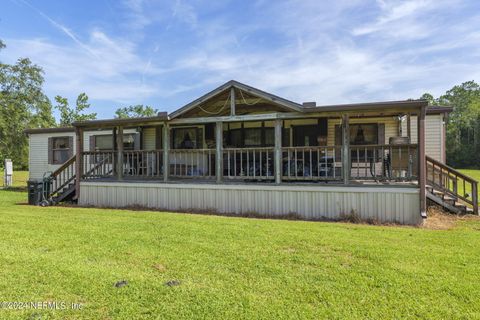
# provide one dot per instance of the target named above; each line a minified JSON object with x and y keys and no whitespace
{"x":463,"y":124}
{"x":23,"y":104}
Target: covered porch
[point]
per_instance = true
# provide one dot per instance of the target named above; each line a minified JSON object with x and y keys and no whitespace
{"x":240,"y":144}
{"x":351,"y":148}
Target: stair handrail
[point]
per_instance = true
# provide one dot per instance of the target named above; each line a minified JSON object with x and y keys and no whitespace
{"x":67,"y":167}
{"x":455,"y":174}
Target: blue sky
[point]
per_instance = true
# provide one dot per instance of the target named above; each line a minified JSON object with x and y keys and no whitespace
{"x":167,"y":53}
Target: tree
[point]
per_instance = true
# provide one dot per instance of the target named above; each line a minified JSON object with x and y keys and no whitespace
{"x":136,"y":111}
{"x":22,"y":105}
{"x":427,"y":96}
{"x":68,"y":114}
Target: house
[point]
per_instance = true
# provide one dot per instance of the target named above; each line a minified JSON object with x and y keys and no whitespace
{"x":239,"y":150}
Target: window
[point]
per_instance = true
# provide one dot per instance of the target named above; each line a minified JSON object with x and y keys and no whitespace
{"x":187,"y":138}
{"x":235,"y":138}
{"x":253,"y":137}
{"x":104,"y":142}
{"x":363,"y":134}
{"x":60,"y":149}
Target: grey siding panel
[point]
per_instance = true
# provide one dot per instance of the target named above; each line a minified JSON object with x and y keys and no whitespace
{"x":38,"y":153}
{"x":399,"y":205}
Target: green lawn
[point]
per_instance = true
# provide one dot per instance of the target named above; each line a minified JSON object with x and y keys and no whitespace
{"x":231,"y":267}
{"x":475,"y":174}
{"x":19,"y":179}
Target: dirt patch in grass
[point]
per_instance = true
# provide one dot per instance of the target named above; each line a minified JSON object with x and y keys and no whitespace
{"x":439,"y":219}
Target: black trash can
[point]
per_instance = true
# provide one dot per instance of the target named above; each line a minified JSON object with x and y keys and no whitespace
{"x":35,"y":192}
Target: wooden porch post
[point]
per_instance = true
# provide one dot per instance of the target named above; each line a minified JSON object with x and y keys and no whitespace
{"x":232,"y":101}
{"x":422,"y":174}
{"x":409,"y":127}
{"x":120,"y":153}
{"x":78,"y":161}
{"x":166,"y":147}
{"x":219,"y":151}
{"x":114,"y":161}
{"x":278,"y":151}
{"x":346,"y":148}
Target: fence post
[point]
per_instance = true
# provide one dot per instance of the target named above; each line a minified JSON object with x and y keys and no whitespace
{"x":475,"y":198}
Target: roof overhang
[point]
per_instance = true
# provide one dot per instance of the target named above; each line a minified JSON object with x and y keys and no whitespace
{"x":290,"y":105}
{"x":391,"y":106}
{"x":49,"y":130}
{"x":439,"y":109}
{"x":123,"y":122}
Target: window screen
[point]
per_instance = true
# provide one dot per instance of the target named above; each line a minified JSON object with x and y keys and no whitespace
{"x":60,"y":149}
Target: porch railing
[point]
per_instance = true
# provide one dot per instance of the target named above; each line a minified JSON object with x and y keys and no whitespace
{"x":192,"y":163}
{"x":384,"y":162}
{"x":248,"y":163}
{"x":311,"y":163}
{"x":316,"y":163}
{"x":143,"y":163}
{"x":97,"y":164}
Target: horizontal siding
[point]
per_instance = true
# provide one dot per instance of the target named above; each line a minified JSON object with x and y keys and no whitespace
{"x":400,"y":205}
{"x":38,"y":153}
{"x":149,"y":138}
{"x":434,"y":143}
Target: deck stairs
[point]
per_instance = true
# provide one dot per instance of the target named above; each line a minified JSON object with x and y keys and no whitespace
{"x":451,"y":189}
{"x":61,"y":182}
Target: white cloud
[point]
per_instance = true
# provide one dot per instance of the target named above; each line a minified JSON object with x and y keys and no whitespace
{"x":185,"y":13}
{"x":110,"y":73}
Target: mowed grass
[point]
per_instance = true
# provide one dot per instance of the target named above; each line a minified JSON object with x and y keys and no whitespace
{"x":19,"y":179}
{"x":231,"y":268}
{"x":475,"y":174}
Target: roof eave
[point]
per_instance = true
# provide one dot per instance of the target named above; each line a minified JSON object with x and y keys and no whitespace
{"x":121,"y":121}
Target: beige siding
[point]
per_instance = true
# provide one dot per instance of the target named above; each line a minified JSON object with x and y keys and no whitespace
{"x":149,"y":138}
{"x":38,"y":153}
{"x":309,"y":202}
{"x":434,"y":144}
{"x":391,"y":127}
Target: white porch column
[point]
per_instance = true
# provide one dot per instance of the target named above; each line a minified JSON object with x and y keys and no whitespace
{"x":166,"y":147}
{"x":278,"y":151}
{"x":219,"y":151}
{"x":346,"y":148}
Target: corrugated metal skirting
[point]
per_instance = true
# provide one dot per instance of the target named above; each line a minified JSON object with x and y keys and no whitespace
{"x":399,"y":205}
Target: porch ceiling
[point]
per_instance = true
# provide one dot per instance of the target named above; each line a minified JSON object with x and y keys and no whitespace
{"x":245,"y":97}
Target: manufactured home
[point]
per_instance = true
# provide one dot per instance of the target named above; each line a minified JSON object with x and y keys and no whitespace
{"x":240,"y":150}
